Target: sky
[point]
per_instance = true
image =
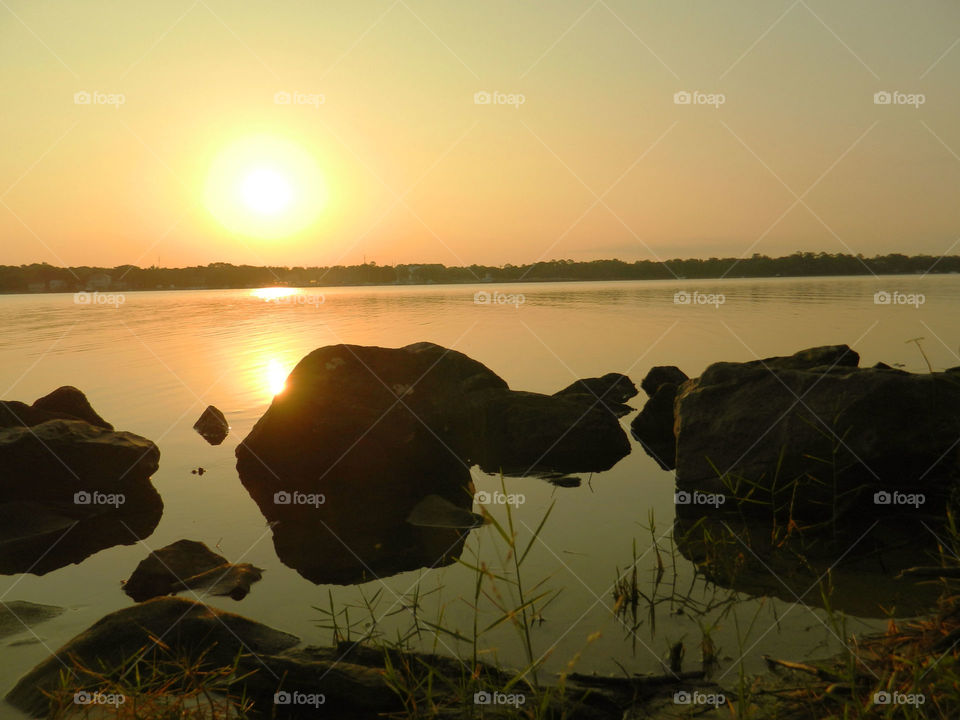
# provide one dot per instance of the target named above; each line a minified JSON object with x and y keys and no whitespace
{"x":413,"y":131}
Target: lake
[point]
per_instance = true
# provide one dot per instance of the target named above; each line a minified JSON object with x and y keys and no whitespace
{"x":150,"y":362}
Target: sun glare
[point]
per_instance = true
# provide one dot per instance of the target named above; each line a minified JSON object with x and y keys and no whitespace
{"x":266,"y":187}
{"x":276,"y":377}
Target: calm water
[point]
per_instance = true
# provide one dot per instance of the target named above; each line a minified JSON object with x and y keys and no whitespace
{"x":152,"y":364}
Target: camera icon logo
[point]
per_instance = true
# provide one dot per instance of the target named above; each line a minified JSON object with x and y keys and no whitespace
{"x":282,"y":698}
{"x":682,"y":697}
{"x":482,"y":497}
{"x":882,"y":497}
{"x":82,"y":498}
{"x":481,"y":297}
{"x":281,"y":97}
{"x":282,"y":497}
{"x":681,"y":497}
{"x":881,"y":297}
{"x":82,"y":98}
{"x":482,"y":698}
{"x":681,"y":297}
{"x":81,"y":298}
{"x":881,"y":698}
{"x":482,"y":97}
{"x":882,"y":98}
{"x":82,"y":698}
{"x":682,"y":97}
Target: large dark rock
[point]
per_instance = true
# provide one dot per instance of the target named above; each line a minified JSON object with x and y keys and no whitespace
{"x":812,"y":435}
{"x":212,"y":425}
{"x":189,"y":565}
{"x":374,"y":431}
{"x":70,"y":487}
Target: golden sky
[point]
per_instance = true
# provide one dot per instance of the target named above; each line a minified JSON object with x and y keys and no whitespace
{"x":315,"y":133}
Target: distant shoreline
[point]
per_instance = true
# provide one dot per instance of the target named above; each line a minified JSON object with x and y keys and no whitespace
{"x":43,"y":278}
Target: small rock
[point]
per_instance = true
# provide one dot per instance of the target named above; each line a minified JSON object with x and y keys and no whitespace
{"x":212,"y":426}
{"x":662,"y":374}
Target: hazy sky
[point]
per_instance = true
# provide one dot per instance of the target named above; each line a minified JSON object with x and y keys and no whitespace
{"x":185,"y":152}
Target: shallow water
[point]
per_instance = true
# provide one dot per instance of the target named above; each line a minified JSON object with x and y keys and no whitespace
{"x":151,"y":364}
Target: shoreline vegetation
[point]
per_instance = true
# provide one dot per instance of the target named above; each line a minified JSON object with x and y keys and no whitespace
{"x":45,"y":278}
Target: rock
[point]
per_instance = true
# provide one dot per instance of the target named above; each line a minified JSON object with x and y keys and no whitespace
{"x":212,"y":425}
{"x":189,"y":628}
{"x":66,"y":476}
{"x":17,"y":616}
{"x":272,"y":668}
{"x":659,"y":375}
{"x":812,"y":435}
{"x":69,"y":403}
{"x":653,"y":426}
{"x":527,"y":433}
{"x":374,"y":431}
{"x":189,"y":565}
{"x":612,"y":391}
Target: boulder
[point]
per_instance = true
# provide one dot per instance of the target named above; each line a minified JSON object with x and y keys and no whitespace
{"x":659,"y":375}
{"x":813,"y":435}
{"x":212,"y":425}
{"x":348,"y":398}
{"x":189,"y":565}
{"x":64,"y":476}
{"x":190,"y":629}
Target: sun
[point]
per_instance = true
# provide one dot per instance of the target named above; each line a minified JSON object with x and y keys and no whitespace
{"x":267,"y":191}
{"x":265,"y":187}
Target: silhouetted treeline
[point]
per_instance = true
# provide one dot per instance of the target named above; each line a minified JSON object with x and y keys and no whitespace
{"x":47,"y":278}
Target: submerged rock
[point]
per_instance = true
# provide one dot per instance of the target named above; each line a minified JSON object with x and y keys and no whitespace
{"x":17,"y":616}
{"x":212,"y":425}
{"x":189,"y":565}
{"x":813,"y":435}
{"x":70,"y":487}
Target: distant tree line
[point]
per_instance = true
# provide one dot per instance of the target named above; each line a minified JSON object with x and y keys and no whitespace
{"x":48,"y":278}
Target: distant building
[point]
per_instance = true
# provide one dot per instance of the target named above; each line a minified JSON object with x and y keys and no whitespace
{"x":99,"y":281}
